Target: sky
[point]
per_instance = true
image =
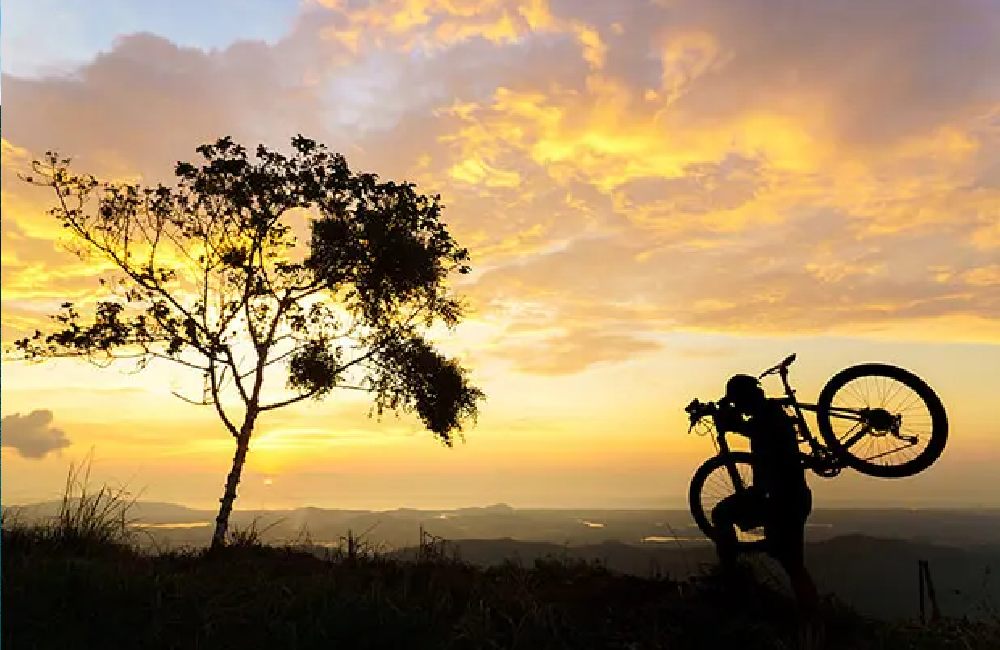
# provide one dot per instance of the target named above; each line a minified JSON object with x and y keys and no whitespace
{"x":655,"y":195}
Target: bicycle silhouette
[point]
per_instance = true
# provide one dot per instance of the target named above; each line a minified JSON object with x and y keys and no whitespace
{"x":875,"y":418}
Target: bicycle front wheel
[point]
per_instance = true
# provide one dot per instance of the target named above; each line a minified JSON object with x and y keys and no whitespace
{"x":713,"y":482}
{"x":882,"y":420}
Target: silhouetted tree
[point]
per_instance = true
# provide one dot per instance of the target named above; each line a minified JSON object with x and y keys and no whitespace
{"x":210,"y":276}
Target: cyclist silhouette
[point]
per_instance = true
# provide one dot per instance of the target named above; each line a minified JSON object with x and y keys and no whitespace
{"x":779,"y":498}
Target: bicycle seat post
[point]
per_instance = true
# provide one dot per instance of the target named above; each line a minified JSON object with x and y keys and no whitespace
{"x":783,"y":373}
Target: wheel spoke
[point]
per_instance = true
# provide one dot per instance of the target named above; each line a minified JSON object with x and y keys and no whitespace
{"x":890,"y":451}
{"x":909,"y":400}
{"x":857,"y":436}
{"x":892,"y":396}
{"x":857,"y":393}
{"x":718,"y":485}
{"x":881,"y":447}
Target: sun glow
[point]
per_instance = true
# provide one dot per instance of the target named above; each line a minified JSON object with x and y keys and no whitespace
{"x":654,"y":197}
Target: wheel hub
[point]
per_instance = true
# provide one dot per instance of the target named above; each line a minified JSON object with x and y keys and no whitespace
{"x":880,"y":421}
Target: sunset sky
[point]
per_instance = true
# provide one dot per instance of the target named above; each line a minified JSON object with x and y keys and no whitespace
{"x":655,"y":195}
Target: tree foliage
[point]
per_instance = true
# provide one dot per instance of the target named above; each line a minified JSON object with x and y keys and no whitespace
{"x":211,"y":275}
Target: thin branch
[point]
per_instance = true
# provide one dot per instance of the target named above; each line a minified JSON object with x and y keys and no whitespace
{"x":202,"y":402}
{"x":291,"y":400}
{"x":283,"y":356}
{"x":237,"y":377}
{"x":165,"y":357}
{"x":364,"y":357}
{"x":214,"y":384}
{"x":312,"y":393}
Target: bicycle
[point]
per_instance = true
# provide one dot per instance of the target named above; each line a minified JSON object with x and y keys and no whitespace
{"x":875,"y":418}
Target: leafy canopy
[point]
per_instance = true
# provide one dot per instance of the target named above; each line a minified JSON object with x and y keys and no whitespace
{"x":211,"y":275}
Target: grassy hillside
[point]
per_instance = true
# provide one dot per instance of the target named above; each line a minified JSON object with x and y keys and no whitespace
{"x":66,"y":587}
{"x":877,"y":577}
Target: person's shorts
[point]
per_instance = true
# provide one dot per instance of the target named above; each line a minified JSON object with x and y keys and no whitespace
{"x":785,"y":525}
{"x":782,"y":516}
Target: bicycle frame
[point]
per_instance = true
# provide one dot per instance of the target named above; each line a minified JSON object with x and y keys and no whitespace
{"x":820,"y":459}
{"x":856,"y":415}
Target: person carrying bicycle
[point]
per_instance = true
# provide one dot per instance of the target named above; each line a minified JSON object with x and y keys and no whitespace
{"x":779,"y":499}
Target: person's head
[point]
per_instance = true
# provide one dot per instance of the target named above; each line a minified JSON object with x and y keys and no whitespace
{"x":744,"y":392}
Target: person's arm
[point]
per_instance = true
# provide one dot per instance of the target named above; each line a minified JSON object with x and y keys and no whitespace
{"x":730,"y":420}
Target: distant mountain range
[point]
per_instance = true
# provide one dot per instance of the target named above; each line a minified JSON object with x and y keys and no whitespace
{"x":177,"y":524}
{"x":866,"y":557}
{"x":876,"y":576}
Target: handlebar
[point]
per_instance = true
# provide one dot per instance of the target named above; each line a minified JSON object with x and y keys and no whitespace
{"x":821,"y":460}
{"x":696,"y":409}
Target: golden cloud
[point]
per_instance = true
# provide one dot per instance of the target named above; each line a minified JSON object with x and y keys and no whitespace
{"x":640,"y":168}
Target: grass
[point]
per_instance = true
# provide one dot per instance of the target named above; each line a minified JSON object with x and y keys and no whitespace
{"x":80,"y":581}
{"x":87,"y":519}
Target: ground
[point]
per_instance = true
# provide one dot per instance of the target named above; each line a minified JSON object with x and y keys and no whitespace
{"x":64,"y":590}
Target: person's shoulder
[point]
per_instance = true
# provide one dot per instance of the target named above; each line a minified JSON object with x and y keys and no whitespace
{"x":773,"y":406}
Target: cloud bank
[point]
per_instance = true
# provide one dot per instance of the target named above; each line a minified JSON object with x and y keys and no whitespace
{"x":618,"y":170}
{"x":32,"y":435}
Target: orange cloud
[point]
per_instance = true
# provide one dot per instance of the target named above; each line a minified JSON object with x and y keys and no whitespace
{"x":653,"y":196}
{"x":698,"y":166}
{"x":432,"y":25}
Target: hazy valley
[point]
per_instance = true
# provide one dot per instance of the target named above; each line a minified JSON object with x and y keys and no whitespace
{"x":866,"y":557}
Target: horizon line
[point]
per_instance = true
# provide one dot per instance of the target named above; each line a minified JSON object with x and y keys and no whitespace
{"x":635,"y":508}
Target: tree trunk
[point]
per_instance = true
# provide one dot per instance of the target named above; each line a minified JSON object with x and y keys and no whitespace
{"x":232,"y":481}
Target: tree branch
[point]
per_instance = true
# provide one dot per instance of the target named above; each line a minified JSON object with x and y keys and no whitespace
{"x":214,"y":385}
{"x":202,"y":402}
{"x":290,"y":401}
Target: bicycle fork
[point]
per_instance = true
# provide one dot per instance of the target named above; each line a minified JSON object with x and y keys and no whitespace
{"x":734,"y":476}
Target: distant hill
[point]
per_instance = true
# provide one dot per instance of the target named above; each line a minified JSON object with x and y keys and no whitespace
{"x":399,"y":528}
{"x":70,"y":588}
{"x":145,"y":511}
{"x":867,"y":557}
{"x":876,"y":576}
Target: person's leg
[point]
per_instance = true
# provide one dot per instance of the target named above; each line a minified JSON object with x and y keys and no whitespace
{"x":811,"y":631}
{"x":803,"y":586}
{"x":724,"y":516}
{"x":786,"y":543}
{"x":802,"y":583}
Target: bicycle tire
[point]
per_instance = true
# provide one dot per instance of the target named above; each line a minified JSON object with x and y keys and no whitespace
{"x":696,"y":498}
{"x":935,"y":417}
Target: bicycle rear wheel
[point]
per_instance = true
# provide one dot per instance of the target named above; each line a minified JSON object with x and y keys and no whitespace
{"x":882,"y":420}
{"x":713,"y":482}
